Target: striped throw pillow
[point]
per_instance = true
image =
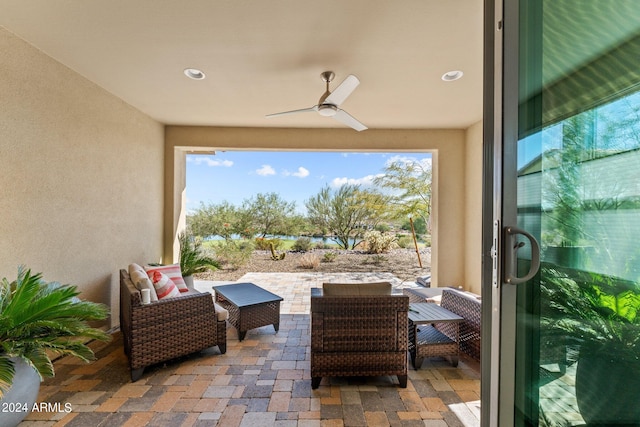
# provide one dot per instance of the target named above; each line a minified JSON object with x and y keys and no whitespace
{"x":174,"y":273}
{"x":165,"y":288}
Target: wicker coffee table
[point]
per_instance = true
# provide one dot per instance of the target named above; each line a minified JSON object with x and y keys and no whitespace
{"x":249,"y":306}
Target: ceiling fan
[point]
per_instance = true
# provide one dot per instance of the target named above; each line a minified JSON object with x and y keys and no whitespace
{"x":329,"y":103}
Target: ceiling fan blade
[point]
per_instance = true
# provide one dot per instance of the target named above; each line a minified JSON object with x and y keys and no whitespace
{"x":303,"y":110}
{"x":341,"y":93}
{"x":349,"y":120}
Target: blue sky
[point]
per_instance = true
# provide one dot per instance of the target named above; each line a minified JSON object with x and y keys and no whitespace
{"x":238,"y":175}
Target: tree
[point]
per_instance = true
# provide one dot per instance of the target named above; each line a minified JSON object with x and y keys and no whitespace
{"x":410,"y":183}
{"x":347,"y":213}
{"x":419,"y":225}
{"x":269,"y":214}
{"x":221,"y":219}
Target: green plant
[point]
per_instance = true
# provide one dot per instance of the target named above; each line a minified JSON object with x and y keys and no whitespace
{"x":600,"y":313}
{"x":405,"y":242}
{"x":237,"y":253}
{"x":329,"y":257}
{"x":276,"y":256}
{"x":192,"y":257}
{"x":302,"y":244}
{"x":263,"y":244}
{"x":322,"y":245}
{"x":40,"y":319}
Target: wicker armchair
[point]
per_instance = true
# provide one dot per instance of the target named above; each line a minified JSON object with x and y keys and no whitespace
{"x":358,"y":335}
{"x":168,"y":328}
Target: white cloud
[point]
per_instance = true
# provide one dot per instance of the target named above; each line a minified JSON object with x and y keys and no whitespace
{"x":209,"y":161}
{"x":424,"y":162}
{"x":302,"y":172}
{"x":365,"y":181}
{"x":266,"y":170}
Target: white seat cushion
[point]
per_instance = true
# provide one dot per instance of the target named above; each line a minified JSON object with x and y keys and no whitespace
{"x":221,"y":313}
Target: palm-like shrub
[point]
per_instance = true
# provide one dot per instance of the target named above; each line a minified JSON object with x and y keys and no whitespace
{"x":37,"y":317}
{"x":600,"y":313}
{"x":192,"y":257}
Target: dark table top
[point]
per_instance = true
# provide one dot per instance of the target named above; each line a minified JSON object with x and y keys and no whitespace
{"x":246,"y":294}
{"x":421,"y":313}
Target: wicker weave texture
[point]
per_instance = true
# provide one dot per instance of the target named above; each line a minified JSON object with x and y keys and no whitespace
{"x":251,"y":317}
{"x":359,"y":335}
{"x":413,"y":296}
{"x":168,"y":328}
{"x":254,"y":316}
{"x":471,"y":309}
{"x":430,"y":342}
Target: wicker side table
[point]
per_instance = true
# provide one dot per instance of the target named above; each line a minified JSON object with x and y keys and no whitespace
{"x":249,"y":306}
{"x":433,"y":332}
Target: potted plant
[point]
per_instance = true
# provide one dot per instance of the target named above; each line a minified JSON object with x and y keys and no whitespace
{"x":600,"y":315}
{"x":39,"y":320}
{"x":193,"y":260}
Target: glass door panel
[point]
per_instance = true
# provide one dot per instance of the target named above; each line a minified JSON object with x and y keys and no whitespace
{"x":578,"y":194}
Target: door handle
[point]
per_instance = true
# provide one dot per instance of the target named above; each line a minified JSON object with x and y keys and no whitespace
{"x":511,"y":255}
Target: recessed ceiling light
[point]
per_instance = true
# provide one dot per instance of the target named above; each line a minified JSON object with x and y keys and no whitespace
{"x":194,"y":73}
{"x":450,"y":76}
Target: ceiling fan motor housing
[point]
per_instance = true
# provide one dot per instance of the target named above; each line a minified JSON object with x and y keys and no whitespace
{"x":327,"y":110}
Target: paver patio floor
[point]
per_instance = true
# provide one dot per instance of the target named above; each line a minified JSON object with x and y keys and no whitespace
{"x":262,"y":381}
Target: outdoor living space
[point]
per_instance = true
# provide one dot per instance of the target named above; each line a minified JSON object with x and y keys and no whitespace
{"x":92,"y":183}
{"x":263,"y":380}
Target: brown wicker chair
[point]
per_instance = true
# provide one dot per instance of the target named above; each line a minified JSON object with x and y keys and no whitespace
{"x":358,"y":335}
{"x":168,"y":328}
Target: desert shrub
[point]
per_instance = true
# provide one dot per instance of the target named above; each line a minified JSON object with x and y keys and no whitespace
{"x":383,"y":228}
{"x":378,"y":242}
{"x":263,"y":244}
{"x":322,"y":245}
{"x":302,"y":244}
{"x":426,"y":239}
{"x":309,"y":261}
{"x":329,"y":257}
{"x":405,"y":242}
{"x":235,"y":252}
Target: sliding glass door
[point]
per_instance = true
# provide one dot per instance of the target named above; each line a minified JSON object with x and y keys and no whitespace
{"x":566,"y":209}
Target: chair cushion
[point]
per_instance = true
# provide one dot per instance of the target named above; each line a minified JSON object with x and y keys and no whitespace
{"x":165,"y":288}
{"x":141,"y":280}
{"x":172,"y":271}
{"x":221,"y":313}
{"x":346,"y":289}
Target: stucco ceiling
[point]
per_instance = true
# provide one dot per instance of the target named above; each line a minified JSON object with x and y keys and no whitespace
{"x":263,"y":57}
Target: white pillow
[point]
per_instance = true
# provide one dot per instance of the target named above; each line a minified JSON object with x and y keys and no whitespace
{"x":141,"y":281}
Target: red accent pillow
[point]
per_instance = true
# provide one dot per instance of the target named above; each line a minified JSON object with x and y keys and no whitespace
{"x":165,"y":288}
{"x":174,"y":273}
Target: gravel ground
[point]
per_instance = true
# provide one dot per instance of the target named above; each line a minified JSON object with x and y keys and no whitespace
{"x":403,"y":263}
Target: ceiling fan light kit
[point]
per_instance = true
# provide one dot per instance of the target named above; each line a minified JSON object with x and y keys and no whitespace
{"x":329,"y":103}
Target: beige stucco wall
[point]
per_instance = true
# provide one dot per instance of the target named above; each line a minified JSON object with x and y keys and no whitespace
{"x":473,"y":211}
{"x":447,"y":146}
{"x":81,"y":176}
